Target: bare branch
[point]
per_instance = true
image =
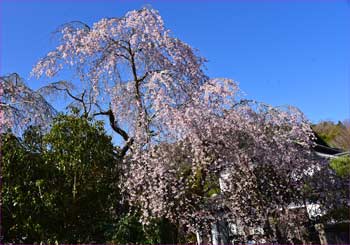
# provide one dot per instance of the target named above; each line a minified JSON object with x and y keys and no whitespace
{"x":118,"y":130}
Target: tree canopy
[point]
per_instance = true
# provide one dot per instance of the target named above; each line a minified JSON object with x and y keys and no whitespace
{"x":61,"y":186}
{"x":193,"y":151}
{"x":336,"y":135}
{"x":20,"y":106}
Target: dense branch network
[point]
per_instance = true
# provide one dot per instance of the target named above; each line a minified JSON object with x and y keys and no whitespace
{"x":188,"y":133}
{"x":21,"y":106}
{"x":131,"y":63}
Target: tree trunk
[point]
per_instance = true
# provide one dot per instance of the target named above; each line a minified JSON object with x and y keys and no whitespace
{"x":321,"y":233}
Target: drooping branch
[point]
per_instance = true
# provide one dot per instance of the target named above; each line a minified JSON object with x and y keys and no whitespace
{"x":152,"y":78}
{"x":64,"y":86}
{"x":81,"y":100}
{"x":87,"y":108}
{"x":21,"y":106}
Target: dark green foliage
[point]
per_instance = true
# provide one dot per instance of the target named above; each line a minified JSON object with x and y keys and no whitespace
{"x":334,"y":134}
{"x":61,"y":186}
{"x":129,"y":230}
{"x":27,"y":207}
{"x":159,"y":231}
{"x":84,"y":157}
{"x":341,"y":165}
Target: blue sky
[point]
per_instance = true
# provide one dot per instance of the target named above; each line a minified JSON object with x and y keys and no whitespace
{"x":280,"y":52}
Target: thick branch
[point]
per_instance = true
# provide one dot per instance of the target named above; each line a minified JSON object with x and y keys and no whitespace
{"x":137,"y":87}
{"x":114,"y":126}
{"x":81,"y":100}
{"x":134,"y":72}
{"x":118,"y":130}
{"x":126,"y":147}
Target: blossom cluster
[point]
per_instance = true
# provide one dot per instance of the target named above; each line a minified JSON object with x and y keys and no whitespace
{"x":197,"y":151}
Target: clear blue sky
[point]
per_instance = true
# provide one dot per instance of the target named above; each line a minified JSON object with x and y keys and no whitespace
{"x":280,"y":52}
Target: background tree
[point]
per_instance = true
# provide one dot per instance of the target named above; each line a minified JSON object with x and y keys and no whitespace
{"x":341,"y":166}
{"x":20,"y":106}
{"x":27,"y":209}
{"x":336,"y":135}
{"x":62,"y":186}
{"x":85,"y":158}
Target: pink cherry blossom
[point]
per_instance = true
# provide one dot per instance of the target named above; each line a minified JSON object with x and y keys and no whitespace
{"x":195,"y":151}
